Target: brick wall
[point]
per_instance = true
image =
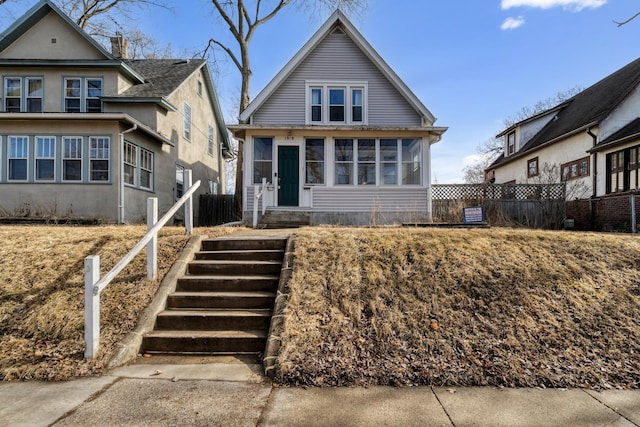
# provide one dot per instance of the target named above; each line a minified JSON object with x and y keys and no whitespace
{"x":606,"y":213}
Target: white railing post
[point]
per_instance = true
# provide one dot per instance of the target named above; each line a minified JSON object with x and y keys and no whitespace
{"x":188,"y":206}
{"x":264,"y":186}
{"x":91,"y":306}
{"x":256,"y":199}
{"x":152,"y":246}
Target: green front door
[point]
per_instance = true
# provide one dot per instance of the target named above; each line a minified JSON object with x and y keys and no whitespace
{"x":288,"y":176}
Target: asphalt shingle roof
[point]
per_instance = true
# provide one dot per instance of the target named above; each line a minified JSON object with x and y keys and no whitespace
{"x":592,"y":105}
{"x":633,"y":128}
{"x":162,"y":76}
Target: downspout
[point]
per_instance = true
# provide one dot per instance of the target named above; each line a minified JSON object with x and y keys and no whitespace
{"x":594,"y":161}
{"x":121,"y":175}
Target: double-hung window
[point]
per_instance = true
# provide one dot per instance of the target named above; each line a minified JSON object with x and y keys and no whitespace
{"x":336,"y":103}
{"x":314,"y":161}
{"x":93,"y":92}
{"x":187,"y":122}
{"x":511,"y":143}
{"x":344,"y":161}
{"x":146,"y":169}
{"x":99,"y":158}
{"x":82,"y":95}
{"x":179,"y":181}
{"x":316,"y":105}
{"x":23,"y":94}
{"x":262,"y":159}
{"x":18,"y":158}
{"x":45,"y":158}
{"x":72,"y":158}
{"x":72,"y":95}
{"x":130,"y":163}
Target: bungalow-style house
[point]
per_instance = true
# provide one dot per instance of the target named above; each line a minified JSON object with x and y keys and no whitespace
{"x":591,"y":141}
{"x":85,"y":132}
{"x":338,"y":136}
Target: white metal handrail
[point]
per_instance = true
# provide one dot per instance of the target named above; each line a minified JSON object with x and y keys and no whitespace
{"x":94,"y":285}
{"x":258,"y":194}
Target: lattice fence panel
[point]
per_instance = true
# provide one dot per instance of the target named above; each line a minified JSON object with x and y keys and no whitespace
{"x":498,"y":191}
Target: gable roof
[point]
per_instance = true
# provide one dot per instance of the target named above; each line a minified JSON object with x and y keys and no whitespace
{"x":630,"y":132}
{"x":337,"y":19}
{"x":33,"y":16}
{"x":586,"y":109}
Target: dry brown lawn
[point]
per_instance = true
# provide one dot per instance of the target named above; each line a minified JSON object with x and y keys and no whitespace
{"x":499,"y":307}
{"x":41,"y":294}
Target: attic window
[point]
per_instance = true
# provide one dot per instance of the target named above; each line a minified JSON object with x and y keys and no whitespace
{"x":511,"y":143}
{"x":54,"y":41}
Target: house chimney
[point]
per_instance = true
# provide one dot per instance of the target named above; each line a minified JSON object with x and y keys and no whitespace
{"x":119,"y":46}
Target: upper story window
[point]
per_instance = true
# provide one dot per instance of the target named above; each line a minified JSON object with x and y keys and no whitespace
{"x":187,"y":122}
{"x":511,"y":143}
{"x":23,"y":94}
{"x":82,"y":95}
{"x":200,"y":87}
{"x":336,"y":103}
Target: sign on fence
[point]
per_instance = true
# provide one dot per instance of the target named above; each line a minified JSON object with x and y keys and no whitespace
{"x":473,"y":214}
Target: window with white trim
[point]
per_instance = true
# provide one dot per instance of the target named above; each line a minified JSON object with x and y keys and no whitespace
{"x":389,"y":161}
{"x":18,"y":158}
{"x":511,"y":143}
{"x":262,"y":159}
{"x":411,"y":162}
{"x":336,"y":103}
{"x":99,"y":158}
{"x":138,"y":166}
{"x":71,"y":158}
{"x":23,"y":94}
{"x":366,"y":162}
{"x":344,"y":161}
{"x":210,"y":139}
{"x":314,"y":161}
{"x":187,"y":122}
{"x":45,"y":158}
{"x":82,"y":94}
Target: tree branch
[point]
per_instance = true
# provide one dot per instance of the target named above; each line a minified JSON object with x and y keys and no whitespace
{"x":620,"y":24}
{"x":227,"y":50}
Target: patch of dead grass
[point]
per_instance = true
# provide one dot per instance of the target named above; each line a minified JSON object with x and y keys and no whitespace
{"x":499,"y":307}
{"x":42,"y":294}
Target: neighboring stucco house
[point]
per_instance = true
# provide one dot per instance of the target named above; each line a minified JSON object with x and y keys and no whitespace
{"x":338,"y":135}
{"x":89,"y":133}
{"x":592,"y":140}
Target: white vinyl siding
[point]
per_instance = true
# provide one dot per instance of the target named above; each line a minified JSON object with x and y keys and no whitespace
{"x":337,"y":58}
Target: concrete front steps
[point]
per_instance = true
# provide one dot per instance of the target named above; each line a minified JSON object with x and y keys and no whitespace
{"x":224,"y":302}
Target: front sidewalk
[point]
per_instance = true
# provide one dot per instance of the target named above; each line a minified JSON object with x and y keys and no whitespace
{"x":235,"y":394}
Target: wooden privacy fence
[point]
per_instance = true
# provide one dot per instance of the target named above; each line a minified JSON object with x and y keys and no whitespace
{"x":216,"y":209}
{"x":530,"y":205}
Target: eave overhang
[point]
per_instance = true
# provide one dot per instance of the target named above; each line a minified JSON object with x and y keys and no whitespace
{"x":125,"y":69}
{"x":162,"y":102}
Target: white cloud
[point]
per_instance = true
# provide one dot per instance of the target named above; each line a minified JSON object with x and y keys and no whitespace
{"x":575,"y":5}
{"x":512,"y":23}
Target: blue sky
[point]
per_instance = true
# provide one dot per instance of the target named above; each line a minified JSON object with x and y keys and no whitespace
{"x":471,"y":62}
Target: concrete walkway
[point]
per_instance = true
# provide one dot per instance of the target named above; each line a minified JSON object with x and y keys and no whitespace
{"x":157,"y":394}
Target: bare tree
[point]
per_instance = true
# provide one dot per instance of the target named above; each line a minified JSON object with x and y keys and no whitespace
{"x":490,"y":149}
{"x":243,"y":17}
